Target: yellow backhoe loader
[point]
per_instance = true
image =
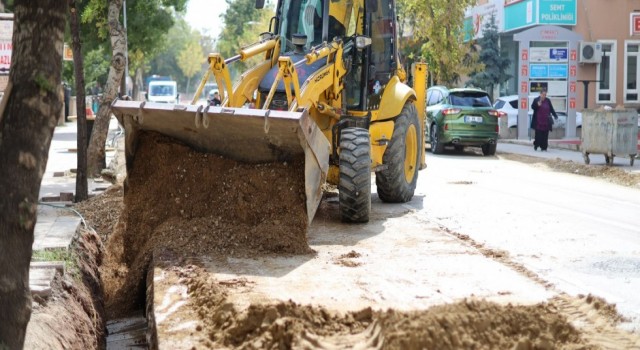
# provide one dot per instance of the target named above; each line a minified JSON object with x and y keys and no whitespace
{"x":329,"y":87}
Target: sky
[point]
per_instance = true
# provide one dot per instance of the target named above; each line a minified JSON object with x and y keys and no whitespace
{"x":204,"y":15}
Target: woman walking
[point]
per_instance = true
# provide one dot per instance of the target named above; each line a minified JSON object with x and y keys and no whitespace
{"x":541,"y":121}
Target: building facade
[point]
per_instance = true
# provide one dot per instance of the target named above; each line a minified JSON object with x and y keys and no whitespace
{"x":594,"y":65}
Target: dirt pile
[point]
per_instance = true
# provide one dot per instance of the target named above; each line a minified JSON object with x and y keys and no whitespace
{"x":102,"y":212}
{"x":469,"y":324}
{"x":194,"y":203}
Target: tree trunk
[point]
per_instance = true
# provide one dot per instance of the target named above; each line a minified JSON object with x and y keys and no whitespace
{"x":28,"y":116}
{"x":137,"y":85}
{"x":186,"y":93}
{"x":96,"y":153}
{"x":82,"y":190}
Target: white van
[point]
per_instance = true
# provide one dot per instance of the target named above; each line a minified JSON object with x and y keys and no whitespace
{"x":163,"y":91}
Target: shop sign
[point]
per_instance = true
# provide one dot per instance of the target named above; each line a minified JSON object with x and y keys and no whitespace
{"x":557,"y":12}
{"x":635,"y":23}
{"x":67,"y":53}
{"x":552,"y":71}
{"x":558,"y":71}
{"x":519,"y":15}
{"x":527,"y":13}
{"x":549,"y":54}
{"x":539,"y":71}
{"x":6,"y":46}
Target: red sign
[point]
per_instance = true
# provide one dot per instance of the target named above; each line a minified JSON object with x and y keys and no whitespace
{"x":525,"y":55}
{"x":523,"y":87}
{"x":572,"y":103}
{"x":573,"y":70}
{"x":572,"y":86}
{"x":635,"y":23}
{"x":523,"y":103}
{"x":524,"y":71}
{"x":574,"y":55}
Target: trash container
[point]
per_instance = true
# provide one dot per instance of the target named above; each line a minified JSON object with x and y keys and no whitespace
{"x":612,"y":132}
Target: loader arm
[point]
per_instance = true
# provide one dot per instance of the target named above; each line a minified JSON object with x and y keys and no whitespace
{"x":235,"y":96}
{"x":327,"y":79}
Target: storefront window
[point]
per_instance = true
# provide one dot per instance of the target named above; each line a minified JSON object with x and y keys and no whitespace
{"x":631,"y":72}
{"x":607,"y":74}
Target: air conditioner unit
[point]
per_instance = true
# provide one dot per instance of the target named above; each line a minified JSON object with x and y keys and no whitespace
{"x":590,"y":52}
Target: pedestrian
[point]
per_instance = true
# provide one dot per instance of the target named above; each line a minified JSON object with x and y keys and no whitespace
{"x":214,"y":98}
{"x":541,"y":121}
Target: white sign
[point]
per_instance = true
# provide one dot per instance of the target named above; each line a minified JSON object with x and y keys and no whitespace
{"x":548,"y":54}
{"x":6,"y":33}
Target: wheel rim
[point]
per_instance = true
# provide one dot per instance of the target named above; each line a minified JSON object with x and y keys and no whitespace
{"x":410,"y":153}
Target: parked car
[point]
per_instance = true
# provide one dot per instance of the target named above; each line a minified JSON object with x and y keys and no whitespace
{"x":461,"y":117}
{"x":509,"y":106}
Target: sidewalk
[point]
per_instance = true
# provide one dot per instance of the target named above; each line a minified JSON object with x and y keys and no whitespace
{"x":56,"y":223}
{"x":565,"y":149}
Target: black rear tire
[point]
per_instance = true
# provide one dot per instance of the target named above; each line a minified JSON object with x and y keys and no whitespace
{"x":397,"y":182}
{"x":355,"y":175}
{"x":489,"y":149}
{"x":437,"y":147}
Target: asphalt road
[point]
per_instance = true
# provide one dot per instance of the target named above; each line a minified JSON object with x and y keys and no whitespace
{"x":580,"y":234}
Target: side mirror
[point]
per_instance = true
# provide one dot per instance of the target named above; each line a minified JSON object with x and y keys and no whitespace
{"x":259,"y":4}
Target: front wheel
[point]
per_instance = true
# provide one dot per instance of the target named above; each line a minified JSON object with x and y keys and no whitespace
{"x":397,"y":182}
{"x":355,"y":175}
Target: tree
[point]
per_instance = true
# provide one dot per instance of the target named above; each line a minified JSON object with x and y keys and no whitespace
{"x":495,"y":64}
{"x":28,"y":116}
{"x":82,"y":187}
{"x":96,"y":151}
{"x":243,"y":24}
{"x":147,"y":22}
{"x":438,"y":24}
{"x":190,"y":60}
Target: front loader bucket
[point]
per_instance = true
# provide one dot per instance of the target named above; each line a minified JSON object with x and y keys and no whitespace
{"x":244,"y":135}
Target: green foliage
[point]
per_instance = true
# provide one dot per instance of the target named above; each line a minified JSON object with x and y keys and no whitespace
{"x":243,"y":25}
{"x":148,"y":22}
{"x":495,"y":65}
{"x":190,"y":60}
{"x":176,"y":41}
{"x":437,"y":25}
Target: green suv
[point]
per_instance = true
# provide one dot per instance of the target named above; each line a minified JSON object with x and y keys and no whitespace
{"x":459,"y":118}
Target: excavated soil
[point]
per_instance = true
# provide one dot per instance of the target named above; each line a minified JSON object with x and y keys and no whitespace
{"x":468,"y":324}
{"x":193,"y":203}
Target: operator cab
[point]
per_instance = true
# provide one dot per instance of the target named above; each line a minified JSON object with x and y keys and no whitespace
{"x":321,"y":21}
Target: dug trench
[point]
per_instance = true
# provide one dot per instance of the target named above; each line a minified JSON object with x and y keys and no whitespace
{"x":179,"y":205}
